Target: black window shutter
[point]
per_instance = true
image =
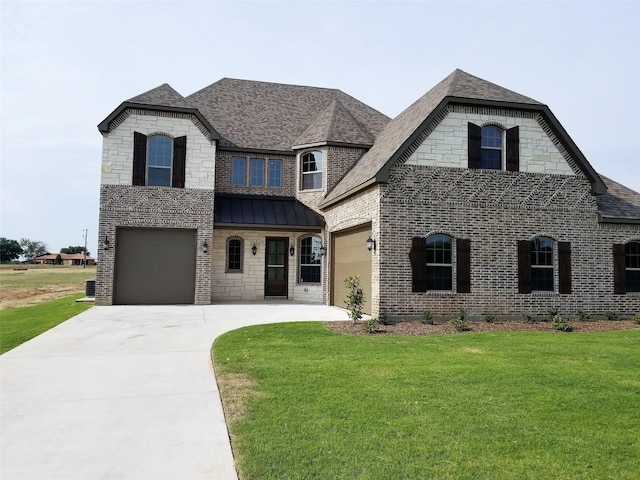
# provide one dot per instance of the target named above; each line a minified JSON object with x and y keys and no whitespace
{"x":463,"y":265}
{"x":524,"y":266}
{"x":474,"y":133}
{"x":139,"y":158}
{"x":564,"y":266}
{"x":418,"y":256}
{"x":179,"y":161}
{"x":619,"y":271}
{"x":513,"y":149}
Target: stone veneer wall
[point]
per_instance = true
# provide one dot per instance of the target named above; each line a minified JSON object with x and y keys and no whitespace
{"x":248,"y":285}
{"x":494,"y":210}
{"x":223,"y":174}
{"x":360,"y":209}
{"x":117,"y":146}
{"x":154,"y":207}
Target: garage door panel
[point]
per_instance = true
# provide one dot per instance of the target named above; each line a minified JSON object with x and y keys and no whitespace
{"x":351,"y":257}
{"x":155,"y":266}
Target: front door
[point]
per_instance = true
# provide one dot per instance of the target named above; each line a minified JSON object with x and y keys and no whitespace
{"x":276,"y":268}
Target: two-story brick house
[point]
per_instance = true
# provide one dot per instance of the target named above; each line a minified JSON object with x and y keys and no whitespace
{"x":474,"y":197}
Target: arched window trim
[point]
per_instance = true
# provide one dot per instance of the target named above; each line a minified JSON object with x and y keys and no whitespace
{"x":313,"y":178}
{"x":489,"y":146}
{"x":238,"y":257}
{"x":153,"y":156}
{"x":302,"y":255}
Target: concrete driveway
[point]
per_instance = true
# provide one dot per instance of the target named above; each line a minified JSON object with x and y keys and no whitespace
{"x":126,"y":392}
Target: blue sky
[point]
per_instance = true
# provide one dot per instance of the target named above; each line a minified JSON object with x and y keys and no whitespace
{"x":66,"y":65}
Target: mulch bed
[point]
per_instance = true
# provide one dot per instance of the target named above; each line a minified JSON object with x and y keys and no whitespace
{"x":417,"y":328}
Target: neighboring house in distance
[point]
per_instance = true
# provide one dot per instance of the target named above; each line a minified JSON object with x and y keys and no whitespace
{"x":474,"y":197}
{"x":67,"y":259}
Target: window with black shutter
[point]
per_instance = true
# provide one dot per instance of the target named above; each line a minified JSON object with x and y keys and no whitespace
{"x":492,"y":148}
{"x":626,"y":267}
{"x":159,"y":160}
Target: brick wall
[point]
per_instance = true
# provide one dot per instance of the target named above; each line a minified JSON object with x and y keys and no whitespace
{"x":154,"y":207}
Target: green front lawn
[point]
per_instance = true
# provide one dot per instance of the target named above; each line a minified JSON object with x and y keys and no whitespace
{"x":303,"y":402}
{"x":17,"y":325}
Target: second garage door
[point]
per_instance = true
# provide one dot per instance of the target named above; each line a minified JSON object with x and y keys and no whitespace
{"x":351,"y":257}
{"x":155,"y":266}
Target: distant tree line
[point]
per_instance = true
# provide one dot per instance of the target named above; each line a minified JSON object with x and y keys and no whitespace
{"x":12,"y":250}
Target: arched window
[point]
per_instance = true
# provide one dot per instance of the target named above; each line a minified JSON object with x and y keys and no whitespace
{"x":632,"y":266}
{"x":491,"y":148}
{"x":234,"y":254}
{"x":309,"y":258}
{"x":542,"y":264}
{"x":439,"y":262}
{"x":311,"y":170}
{"x":159,"y":161}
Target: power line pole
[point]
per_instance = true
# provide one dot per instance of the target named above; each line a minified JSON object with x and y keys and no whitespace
{"x":84,"y":261}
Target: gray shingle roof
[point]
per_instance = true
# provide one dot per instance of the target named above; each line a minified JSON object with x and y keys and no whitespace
{"x":273,"y":116}
{"x":163,"y":95}
{"x":619,"y":204}
{"x":398,"y":135}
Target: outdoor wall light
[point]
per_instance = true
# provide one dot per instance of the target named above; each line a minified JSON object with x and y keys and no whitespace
{"x":292,"y":251}
{"x":371,"y":244}
{"x":106,"y":245}
{"x":205,"y":247}
{"x":322,"y":250}
{"x":254,"y":249}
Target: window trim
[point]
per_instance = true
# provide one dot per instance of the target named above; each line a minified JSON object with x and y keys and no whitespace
{"x":227,"y":258}
{"x":436,"y":264}
{"x":149,"y":166}
{"x":627,"y":269}
{"x":299,"y":258}
{"x":551,"y":266}
{"x":277,"y":161}
{"x":310,"y":173}
{"x":254,"y":161}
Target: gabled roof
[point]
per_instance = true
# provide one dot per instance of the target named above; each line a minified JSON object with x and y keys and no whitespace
{"x":459,"y":87}
{"x":264,"y":212}
{"x":163,"y":99}
{"x":619,"y":205}
{"x":272,"y":116}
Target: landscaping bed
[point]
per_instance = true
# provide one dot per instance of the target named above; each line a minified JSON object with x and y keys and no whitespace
{"x":417,"y":328}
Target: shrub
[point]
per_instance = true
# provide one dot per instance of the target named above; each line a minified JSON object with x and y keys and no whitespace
{"x":427,"y":318}
{"x":528,"y":317}
{"x":561,"y":324}
{"x":583,"y":315}
{"x":355,"y":297}
{"x":553,"y":312}
{"x":636,"y":318}
{"x":460,"y":321}
{"x":371,"y":325}
{"x":383,"y":319}
{"x":611,"y":314}
{"x":491,"y":317}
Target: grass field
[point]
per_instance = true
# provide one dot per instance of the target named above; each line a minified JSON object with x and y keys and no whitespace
{"x":40,"y":283}
{"x":303,"y":402}
{"x":17,"y":325}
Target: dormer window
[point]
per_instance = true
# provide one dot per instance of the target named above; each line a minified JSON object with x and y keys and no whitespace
{"x":311,"y":170}
{"x":160,"y":161}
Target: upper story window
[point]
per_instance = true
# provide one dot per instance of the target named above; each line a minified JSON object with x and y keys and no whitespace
{"x":256,"y":173}
{"x":626,"y":267}
{"x":234,"y":254}
{"x":159,"y":160}
{"x":311,"y":169}
{"x":492,"y":148}
{"x":310,"y":257}
{"x":275,"y":173}
{"x":238,"y":171}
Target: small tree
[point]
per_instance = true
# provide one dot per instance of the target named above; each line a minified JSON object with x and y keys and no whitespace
{"x":32,"y":248}
{"x":10,"y":250}
{"x":355,"y":297}
{"x":58,"y":260}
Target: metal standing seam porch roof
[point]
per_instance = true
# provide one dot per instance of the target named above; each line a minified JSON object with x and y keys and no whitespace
{"x":259,"y":211}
